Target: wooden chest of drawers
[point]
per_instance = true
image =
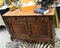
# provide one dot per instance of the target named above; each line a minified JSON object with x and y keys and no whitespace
{"x":38,"y":28}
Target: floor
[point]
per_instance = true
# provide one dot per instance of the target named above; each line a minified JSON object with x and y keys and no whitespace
{"x":1,"y":21}
{"x":5,"y":36}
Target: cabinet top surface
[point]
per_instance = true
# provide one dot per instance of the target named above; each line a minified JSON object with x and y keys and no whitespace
{"x":17,"y":12}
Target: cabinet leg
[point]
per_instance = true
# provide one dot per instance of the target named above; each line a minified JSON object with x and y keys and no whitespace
{"x":12,"y":38}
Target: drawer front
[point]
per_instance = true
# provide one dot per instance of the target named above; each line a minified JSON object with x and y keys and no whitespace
{"x":7,"y":19}
{"x":17,"y":19}
{"x":43,"y":18}
{"x":51,"y":18}
{"x":20,"y":28}
{"x":37,"y":19}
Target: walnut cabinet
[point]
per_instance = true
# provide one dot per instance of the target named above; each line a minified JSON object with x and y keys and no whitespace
{"x":31,"y":28}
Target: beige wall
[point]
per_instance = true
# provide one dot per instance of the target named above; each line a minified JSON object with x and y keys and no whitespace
{"x":1,"y":21}
{"x":1,"y":2}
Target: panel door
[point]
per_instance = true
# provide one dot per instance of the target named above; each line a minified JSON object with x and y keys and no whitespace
{"x":19,"y":25}
{"x":39,"y":29}
{"x":19,"y":28}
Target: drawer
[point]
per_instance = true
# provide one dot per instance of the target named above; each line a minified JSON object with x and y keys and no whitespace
{"x":17,"y":19}
{"x":37,"y":19}
{"x":42,"y":18}
{"x":31,"y":18}
{"x":51,"y":18}
{"x":7,"y":19}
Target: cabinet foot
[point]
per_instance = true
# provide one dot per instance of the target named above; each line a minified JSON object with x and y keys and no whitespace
{"x":12,"y":39}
